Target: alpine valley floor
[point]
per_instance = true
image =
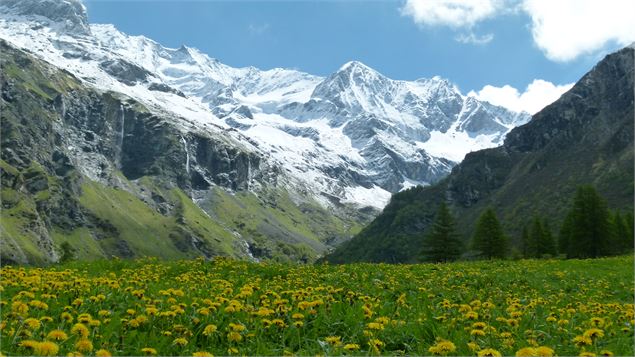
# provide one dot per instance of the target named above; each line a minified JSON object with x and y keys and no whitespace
{"x":228,"y":307}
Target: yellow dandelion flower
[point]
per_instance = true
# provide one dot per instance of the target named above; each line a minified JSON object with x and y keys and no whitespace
{"x":47,"y":348}
{"x":209,"y":330}
{"x":102,"y":353}
{"x":202,"y":354}
{"x":334,"y":340}
{"x":351,"y":347}
{"x":582,"y":341}
{"x":593,"y":333}
{"x":74,"y":354}
{"x":180,"y":341}
{"x":477,"y":333}
{"x":84,"y":345}
{"x":57,"y":335}
{"x":375,"y":344}
{"x":232,"y":351}
{"x":297,"y":316}
{"x":526,"y":352}
{"x":473,"y":346}
{"x":19,"y":307}
{"x":375,"y":326}
{"x":66,"y":316}
{"x":149,"y":351}
{"x":80,"y":330}
{"x":29,"y":344}
{"x":234,"y":336}
{"x":442,"y":348}
{"x":606,"y":353}
{"x":488,"y":352}
{"x":32,"y":324}
{"x":544,"y":351}
{"x":237,"y":327}
{"x":298,"y":323}
{"x":587,"y":354}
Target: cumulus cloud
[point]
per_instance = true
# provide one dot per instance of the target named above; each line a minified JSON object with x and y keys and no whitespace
{"x":562,"y":29}
{"x":536,"y":96}
{"x":452,"y":13}
{"x":565,"y":29}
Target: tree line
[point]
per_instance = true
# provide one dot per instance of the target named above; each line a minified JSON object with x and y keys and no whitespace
{"x":590,"y":230}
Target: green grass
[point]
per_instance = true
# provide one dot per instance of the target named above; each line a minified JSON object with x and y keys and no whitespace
{"x":132,"y":304}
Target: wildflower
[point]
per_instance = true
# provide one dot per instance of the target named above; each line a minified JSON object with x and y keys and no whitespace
{"x":477,"y":333}
{"x":74,"y":354}
{"x":471,"y":315}
{"x":544,"y":351}
{"x":606,"y":353}
{"x":351,"y":347}
{"x":84,"y":345}
{"x":443,"y":347}
{"x":334,"y":340}
{"x":46,"y":348}
{"x":594,"y":333}
{"x":237,"y":327}
{"x":232,"y":350}
{"x":29,"y":344}
{"x":202,"y":354}
{"x":586,"y":354}
{"x":298,"y":323}
{"x":149,"y":351}
{"x":473,"y":346}
{"x":526,"y":352}
{"x":234,"y":336}
{"x":597,"y":321}
{"x":209,"y":330}
{"x":66,"y":317}
{"x":479,"y":325}
{"x":32,"y":323}
{"x":57,"y":335}
{"x":80,"y":330}
{"x":375,"y":326}
{"x":180,"y":341}
{"x":582,"y":341}
{"x":19,"y":307}
{"x":488,"y":352}
{"x":103,"y":313}
{"x":102,"y":353}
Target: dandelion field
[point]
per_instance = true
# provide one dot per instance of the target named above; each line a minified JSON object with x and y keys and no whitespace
{"x":226,"y":307}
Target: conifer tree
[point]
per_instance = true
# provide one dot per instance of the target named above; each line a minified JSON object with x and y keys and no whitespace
{"x":548,"y":244}
{"x":489,"y":239}
{"x":442,"y":243}
{"x":590,"y":231}
{"x":527,"y":246}
{"x":622,"y":238}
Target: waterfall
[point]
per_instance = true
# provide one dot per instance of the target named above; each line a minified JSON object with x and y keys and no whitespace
{"x":187,"y":155}
{"x":122,"y":127}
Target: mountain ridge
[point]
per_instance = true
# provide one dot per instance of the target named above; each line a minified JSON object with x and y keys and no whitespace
{"x":585,"y":137}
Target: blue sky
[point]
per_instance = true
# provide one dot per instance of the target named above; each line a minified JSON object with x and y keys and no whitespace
{"x":318,"y":37}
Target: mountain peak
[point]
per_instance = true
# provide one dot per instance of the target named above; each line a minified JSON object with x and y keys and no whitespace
{"x":352,"y":65}
{"x":69,"y":15}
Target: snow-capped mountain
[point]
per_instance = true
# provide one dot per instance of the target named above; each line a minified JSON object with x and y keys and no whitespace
{"x":355,"y":136}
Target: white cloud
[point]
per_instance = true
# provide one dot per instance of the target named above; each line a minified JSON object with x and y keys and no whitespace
{"x":452,"y":13}
{"x":565,"y":29}
{"x":536,"y":96}
{"x":562,"y":29}
{"x":474,"y":39}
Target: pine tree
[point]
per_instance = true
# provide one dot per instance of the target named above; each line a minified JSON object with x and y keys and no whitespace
{"x":489,"y":239}
{"x":564,"y":237}
{"x":548,"y":244}
{"x":442,"y":243}
{"x":622,"y":238}
{"x":590,"y":231}
{"x":527,"y":246}
{"x":535,"y":238}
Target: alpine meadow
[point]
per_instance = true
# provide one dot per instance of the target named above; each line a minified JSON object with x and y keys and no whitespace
{"x":398,"y":178}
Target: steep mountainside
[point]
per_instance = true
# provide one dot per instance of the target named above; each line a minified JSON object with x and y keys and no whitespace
{"x":585,"y":137}
{"x":124,"y":147}
{"x":354,"y":137}
{"x":99,"y":170}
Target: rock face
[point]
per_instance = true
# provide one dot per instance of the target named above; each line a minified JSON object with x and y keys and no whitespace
{"x":101,"y":171}
{"x":585,"y":137}
{"x":353,"y":137}
{"x":120,"y":146}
